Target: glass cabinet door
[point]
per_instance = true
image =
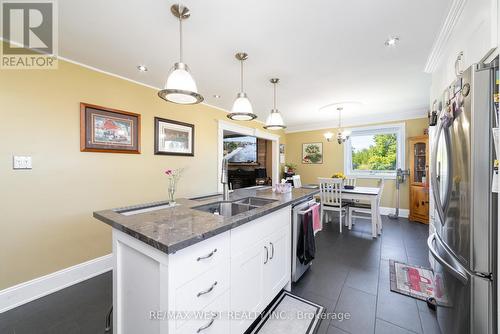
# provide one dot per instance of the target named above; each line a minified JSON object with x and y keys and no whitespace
{"x":420,"y":162}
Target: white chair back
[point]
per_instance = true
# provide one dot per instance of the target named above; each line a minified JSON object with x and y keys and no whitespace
{"x":330,"y":191}
{"x":296,"y":181}
{"x":350,"y":181}
{"x":381,"y":183}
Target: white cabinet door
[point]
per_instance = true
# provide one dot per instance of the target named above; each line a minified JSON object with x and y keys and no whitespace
{"x":277,"y":271}
{"x":247,"y":285}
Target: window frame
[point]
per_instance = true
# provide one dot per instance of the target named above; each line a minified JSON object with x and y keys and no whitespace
{"x":398,"y":128}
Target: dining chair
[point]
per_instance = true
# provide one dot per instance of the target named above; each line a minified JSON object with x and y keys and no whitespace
{"x":330,"y":192}
{"x":296,"y":181}
{"x":350,"y":181}
{"x":366,"y":210}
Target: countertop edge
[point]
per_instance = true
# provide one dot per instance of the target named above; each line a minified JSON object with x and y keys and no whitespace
{"x":171,"y":249}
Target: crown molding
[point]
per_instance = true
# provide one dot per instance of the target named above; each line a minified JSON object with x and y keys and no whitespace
{"x":358,"y":121}
{"x":443,"y":37}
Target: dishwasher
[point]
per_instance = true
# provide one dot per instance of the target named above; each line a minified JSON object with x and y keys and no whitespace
{"x":298,"y":269}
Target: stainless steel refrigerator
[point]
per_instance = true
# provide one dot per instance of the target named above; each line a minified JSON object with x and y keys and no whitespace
{"x":464,"y":245}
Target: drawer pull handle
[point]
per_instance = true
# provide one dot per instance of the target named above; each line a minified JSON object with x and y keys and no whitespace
{"x":267,"y":255}
{"x":204,"y":292}
{"x":209,"y":255}
{"x":272,"y":251}
{"x":210,"y":323}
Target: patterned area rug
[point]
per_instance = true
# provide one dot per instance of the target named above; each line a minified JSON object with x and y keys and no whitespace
{"x":416,"y":282}
{"x":290,"y":314}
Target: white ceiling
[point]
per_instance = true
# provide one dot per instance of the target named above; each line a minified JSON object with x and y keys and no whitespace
{"x":323,"y":51}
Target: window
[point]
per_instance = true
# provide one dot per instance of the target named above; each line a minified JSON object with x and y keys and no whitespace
{"x":375,"y":151}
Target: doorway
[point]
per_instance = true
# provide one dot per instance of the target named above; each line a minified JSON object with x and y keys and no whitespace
{"x":264,"y":159}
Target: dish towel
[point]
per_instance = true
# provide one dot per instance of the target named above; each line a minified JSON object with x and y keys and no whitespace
{"x":306,"y":246}
{"x":317,"y":223}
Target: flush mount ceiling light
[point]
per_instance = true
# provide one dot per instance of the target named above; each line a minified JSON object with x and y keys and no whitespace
{"x":274,"y":120}
{"x":142,"y":68}
{"x":242,"y":108}
{"x":180,"y":86}
{"x":216,"y":96}
{"x":392,"y":41}
{"x":342,"y":135}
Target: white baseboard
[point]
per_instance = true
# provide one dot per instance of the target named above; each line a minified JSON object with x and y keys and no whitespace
{"x":28,"y":291}
{"x":403,"y":213}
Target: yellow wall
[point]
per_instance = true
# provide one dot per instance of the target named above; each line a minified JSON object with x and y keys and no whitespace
{"x":46,"y":213}
{"x":333,"y":160}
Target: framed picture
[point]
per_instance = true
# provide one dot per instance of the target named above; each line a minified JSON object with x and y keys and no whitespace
{"x":109,"y":130}
{"x":173,"y":138}
{"x":312,"y":153}
{"x":282,"y":153}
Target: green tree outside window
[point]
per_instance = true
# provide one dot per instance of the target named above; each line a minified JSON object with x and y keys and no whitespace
{"x":381,"y":156}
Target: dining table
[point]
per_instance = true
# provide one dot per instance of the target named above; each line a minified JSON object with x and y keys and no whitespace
{"x":365,"y":194}
{"x":371,"y":195}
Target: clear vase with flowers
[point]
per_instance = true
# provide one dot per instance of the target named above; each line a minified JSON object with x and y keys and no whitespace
{"x":173,"y":175}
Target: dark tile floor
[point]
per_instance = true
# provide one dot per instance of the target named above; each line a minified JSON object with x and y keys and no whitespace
{"x":79,"y":309}
{"x":351,"y":274}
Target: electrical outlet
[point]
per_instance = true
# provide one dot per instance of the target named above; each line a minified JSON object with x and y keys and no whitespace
{"x":22,"y":162}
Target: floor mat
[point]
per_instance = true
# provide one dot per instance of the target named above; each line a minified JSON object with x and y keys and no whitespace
{"x":415,"y":281}
{"x":290,"y":314}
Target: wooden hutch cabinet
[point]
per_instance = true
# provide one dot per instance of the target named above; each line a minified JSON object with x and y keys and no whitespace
{"x":419,"y":179}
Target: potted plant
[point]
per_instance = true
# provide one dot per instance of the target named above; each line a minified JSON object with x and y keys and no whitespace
{"x":290,"y":168}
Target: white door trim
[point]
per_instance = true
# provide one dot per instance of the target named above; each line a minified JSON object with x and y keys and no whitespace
{"x":25,"y":292}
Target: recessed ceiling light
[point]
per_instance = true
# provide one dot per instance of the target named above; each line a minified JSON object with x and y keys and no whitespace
{"x":392,"y":41}
{"x":142,"y":68}
{"x":216,"y":96}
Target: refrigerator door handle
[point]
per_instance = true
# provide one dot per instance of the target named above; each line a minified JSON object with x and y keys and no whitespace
{"x":441,"y":206}
{"x":456,"y":271}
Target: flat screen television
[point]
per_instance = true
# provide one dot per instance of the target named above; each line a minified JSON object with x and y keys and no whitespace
{"x":240,"y":149}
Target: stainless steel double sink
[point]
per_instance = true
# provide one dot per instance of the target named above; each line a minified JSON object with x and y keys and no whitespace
{"x":232,"y":208}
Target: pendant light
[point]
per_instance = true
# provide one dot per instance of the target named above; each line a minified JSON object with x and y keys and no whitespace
{"x":274,"y":120}
{"x":242,"y":108}
{"x":342,"y":135}
{"x":180,"y":86}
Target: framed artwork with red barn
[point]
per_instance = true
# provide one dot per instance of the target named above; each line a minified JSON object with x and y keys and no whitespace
{"x":109,"y":130}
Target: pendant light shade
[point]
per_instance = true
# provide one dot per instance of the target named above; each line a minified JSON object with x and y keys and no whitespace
{"x":274,"y":120}
{"x":180,"y":86}
{"x":242,"y":108}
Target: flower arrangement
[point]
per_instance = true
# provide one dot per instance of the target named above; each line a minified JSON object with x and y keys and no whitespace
{"x":173,"y":175}
{"x":339,"y":175}
{"x":290,"y":167}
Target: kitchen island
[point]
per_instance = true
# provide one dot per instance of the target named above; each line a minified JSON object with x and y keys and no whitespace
{"x":203,"y":265}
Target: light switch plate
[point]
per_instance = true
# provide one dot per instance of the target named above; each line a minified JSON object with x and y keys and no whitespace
{"x":22,"y":162}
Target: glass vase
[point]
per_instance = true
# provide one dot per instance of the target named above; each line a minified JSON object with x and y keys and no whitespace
{"x":171,"y":193}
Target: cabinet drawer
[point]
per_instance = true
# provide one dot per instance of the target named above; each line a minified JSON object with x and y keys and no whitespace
{"x":220,"y":324}
{"x":203,"y":290}
{"x":252,"y":232}
{"x":192,"y":261}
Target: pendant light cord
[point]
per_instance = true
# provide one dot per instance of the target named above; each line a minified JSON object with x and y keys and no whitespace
{"x":274,"y":95}
{"x":180,"y":39}
{"x":241,"y":76}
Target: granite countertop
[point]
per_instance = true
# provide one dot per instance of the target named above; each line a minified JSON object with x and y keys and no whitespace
{"x":173,"y":228}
